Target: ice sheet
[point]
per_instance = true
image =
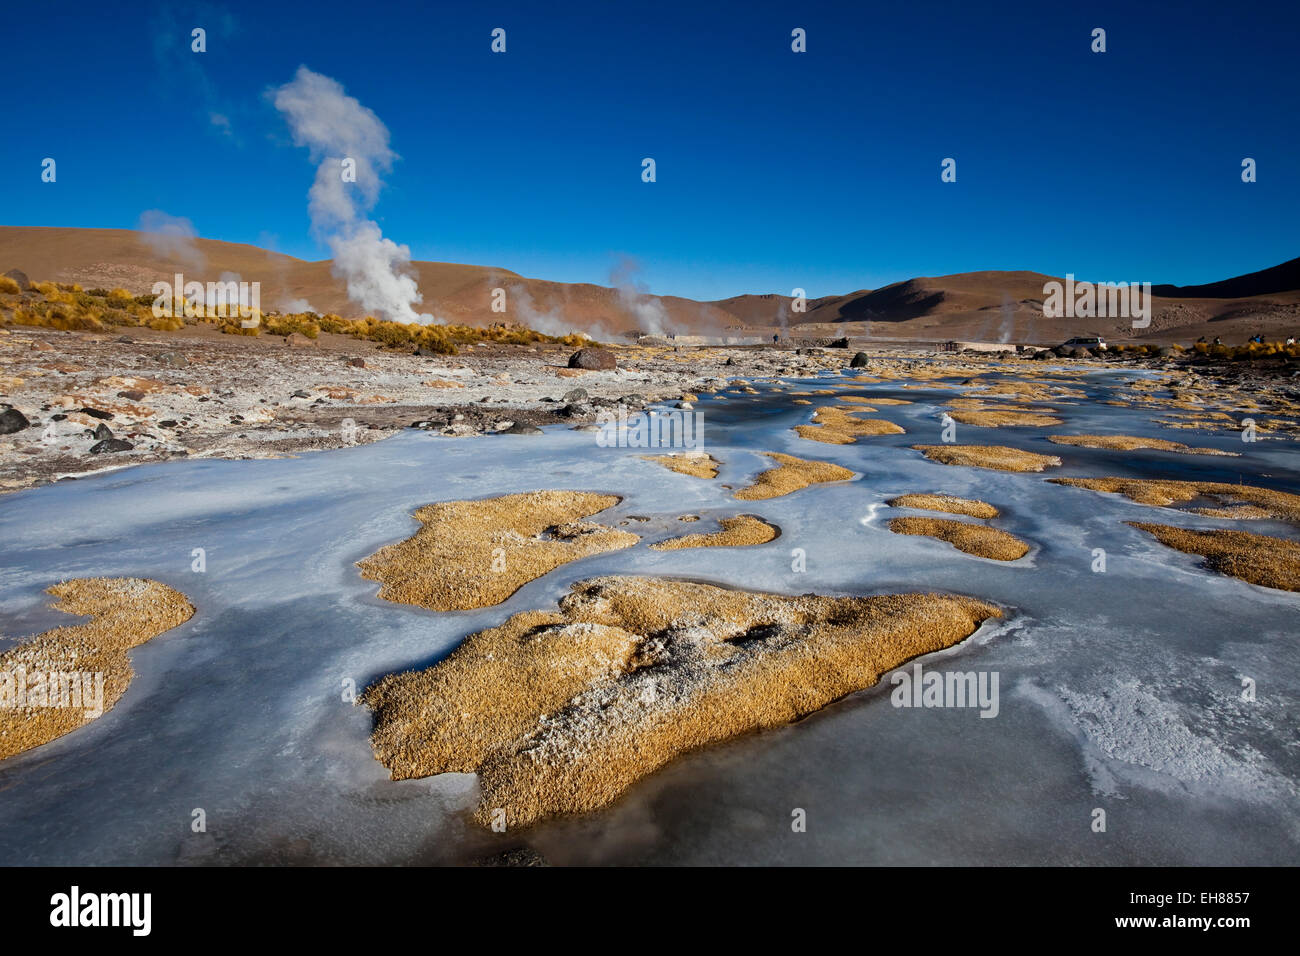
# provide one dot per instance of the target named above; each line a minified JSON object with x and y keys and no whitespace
{"x":1119,"y":690}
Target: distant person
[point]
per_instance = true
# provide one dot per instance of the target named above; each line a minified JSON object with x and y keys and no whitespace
{"x":1217,"y":340}
{"x":776,"y":338}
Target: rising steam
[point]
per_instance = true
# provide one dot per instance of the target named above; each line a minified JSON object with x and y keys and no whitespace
{"x":335,"y":127}
{"x":651,"y":317}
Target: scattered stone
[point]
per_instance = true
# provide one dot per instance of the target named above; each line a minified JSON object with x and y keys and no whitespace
{"x":574,"y":395}
{"x":357,"y":363}
{"x":593,"y":359}
{"x":102,"y":432}
{"x":173,"y":360}
{"x":96,"y":413}
{"x":300,"y":394}
{"x":859,"y":361}
{"x":522,"y":428}
{"x":12,"y":420}
{"x":519,"y":856}
{"x":110,"y":444}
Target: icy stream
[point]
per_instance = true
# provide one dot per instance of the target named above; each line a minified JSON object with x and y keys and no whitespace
{"x":1119,"y":690}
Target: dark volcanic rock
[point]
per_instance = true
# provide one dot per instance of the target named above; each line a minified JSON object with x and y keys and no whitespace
{"x":96,"y":413}
{"x":110,"y":444}
{"x":103,"y":432}
{"x":574,"y":395}
{"x":859,"y":361}
{"x":521,"y":428}
{"x":594,"y":359}
{"x":840,"y":343}
{"x":12,"y":420}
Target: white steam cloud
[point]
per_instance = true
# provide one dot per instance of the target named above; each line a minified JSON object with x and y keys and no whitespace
{"x":651,"y":317}
{"x":335,"y":127}
{"x":171,"y":237}
{"x":552,"y":321}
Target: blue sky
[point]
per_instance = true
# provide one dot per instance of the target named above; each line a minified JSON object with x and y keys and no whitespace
{"x":818,"y":170}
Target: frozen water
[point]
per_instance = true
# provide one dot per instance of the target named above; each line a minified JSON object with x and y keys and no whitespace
{"x":1120,"y":690}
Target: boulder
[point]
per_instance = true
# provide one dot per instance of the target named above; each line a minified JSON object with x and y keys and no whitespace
{"x":521,"y":428}
{"x":110,"y":444}
{"x":839,"y":343}
{"x":24,"y":283}
{"x":574,"y":395}
{"x":859,"y":361}
{"x":12,"y":420}
{"x":593,"y":359}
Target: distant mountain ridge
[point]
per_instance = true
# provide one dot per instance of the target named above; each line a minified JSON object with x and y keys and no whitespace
{"x":985,"y":306}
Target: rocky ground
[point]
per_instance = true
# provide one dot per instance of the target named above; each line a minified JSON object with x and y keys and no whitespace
{"x":72,"y":403}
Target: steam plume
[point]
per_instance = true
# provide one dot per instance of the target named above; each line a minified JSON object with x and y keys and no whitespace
{"x":336,"y":127}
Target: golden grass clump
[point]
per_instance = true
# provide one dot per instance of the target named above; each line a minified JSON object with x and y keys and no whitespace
{"x":1133,"y":443}
{"x":1001,"y":417}
{"x":8,"y":286}
{"x":1256,"y":558}
{"x":51,"y":684}
{"x":950,"y":504}
{"x":841,"y":426}
{"x":560,"y":712}
{"x":472,"y":554}
{"x":1028,"y":391}
{"x":738,"y":531}
{"x":1248,"y":499}
{"x":696,"y":465}
{"x":996,"y":457}
{"x":976,"y":539}
{"x":790,"y":475}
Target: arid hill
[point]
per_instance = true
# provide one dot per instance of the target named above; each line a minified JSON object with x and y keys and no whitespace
{"x":986,"y":306}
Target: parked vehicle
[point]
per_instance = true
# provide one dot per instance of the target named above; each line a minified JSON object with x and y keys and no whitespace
{"x":1086,"y":342}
